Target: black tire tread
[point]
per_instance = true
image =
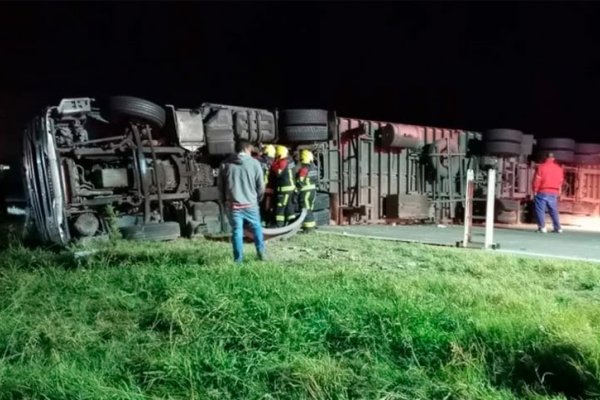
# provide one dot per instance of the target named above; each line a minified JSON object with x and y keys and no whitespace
{"x":507,"y":217}
{"x":556,"y":144}
{"x":121,"y":108}
{"x":503,"y":135}
{"x":322,"y":217}
{"x":305,"y":133}
{"x":502,"y":148}
{"x":321,"y":201}
{"x":562,"y":156}
{"x":303,"y":117}
{"x":587,"y":148}
{"x":587,"y":159}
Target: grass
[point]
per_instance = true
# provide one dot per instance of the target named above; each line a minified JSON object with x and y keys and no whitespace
{"x":327,"y":317}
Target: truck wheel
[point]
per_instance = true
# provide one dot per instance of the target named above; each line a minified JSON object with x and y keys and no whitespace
{"x":152,"y":231}
{"x":587,"y":159}
{"x":321,"y":201}
{"x":587,"y":148}
{"x":303,"y":117}
{"x":503,"y":135}
{"x":305,"y":133}
{"x":556,"y":144}
{"x":322,"y":217}
{"x":563,"y":156}
{"x":507,"y":217}
{"x":124,"y":108}
{"x":502,"y":148}
{"x":508,"y":205}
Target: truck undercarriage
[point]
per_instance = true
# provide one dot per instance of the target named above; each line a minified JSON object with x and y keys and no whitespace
{"x":150,"y":170}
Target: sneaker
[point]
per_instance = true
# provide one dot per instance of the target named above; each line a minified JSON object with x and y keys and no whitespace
{"x":262,"y":256}
{"x":558,"y":230}
{"x":542,"y":230}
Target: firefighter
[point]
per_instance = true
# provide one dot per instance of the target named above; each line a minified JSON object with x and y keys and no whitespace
{"x":282,"y":181}
{"x":306,"y":179}
{"x":266,"y":160}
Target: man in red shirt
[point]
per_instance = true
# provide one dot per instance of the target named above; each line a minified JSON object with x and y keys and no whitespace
{"x":547,"y":184}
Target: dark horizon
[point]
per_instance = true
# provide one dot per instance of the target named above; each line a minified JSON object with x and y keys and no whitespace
{"x":527,"y":66}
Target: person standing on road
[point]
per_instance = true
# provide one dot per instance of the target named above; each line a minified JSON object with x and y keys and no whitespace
{"x":241,"y":188}
{"x":547,"y":184}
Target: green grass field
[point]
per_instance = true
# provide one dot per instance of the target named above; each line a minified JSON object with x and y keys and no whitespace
{"x":326,"y":317}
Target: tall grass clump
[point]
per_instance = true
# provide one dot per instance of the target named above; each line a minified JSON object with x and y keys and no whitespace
{"x":325,"y":318}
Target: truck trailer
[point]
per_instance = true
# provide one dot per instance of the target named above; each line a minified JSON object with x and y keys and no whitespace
{"x":150,"y":170}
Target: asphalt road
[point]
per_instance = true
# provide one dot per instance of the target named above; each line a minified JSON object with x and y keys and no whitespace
{"x":572,"y":245}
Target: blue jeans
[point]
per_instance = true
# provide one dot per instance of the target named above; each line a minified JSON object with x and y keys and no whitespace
{"x":549,"y":201}
{"x":236,"y":220}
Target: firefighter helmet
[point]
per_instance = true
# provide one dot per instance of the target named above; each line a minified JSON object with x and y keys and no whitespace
{"x":281,"y":151}
{"x":269,"y":150}
{"x":306,"y":156}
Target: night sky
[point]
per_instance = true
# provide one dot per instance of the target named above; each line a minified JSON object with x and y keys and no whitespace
{"x":530,"y":66}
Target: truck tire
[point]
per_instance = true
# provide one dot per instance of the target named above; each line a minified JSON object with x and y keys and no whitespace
{"x":556,"y":144}
{"x":503,"y":135}
{"x":305,"y":133}
{"x":587,"y":159}
{"x":507,"y":217}
{"x":124,"y":108}
{"x":502,"y":148}
{"x":587,"y":148}
{"x":322,"y":217}
{"x":562,"y":156}
{"x":152,"y":232}
{"x":507,"y":205}
{"x":321,"y":201}
{"x":303,"y":117}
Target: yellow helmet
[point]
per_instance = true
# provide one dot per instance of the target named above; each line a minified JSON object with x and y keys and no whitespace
{"x":306,"y":156}
{"x":269,"y":150}
{"x":281,"y":151}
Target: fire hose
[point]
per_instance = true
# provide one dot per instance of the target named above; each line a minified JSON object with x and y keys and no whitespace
{"x":283,"y":232}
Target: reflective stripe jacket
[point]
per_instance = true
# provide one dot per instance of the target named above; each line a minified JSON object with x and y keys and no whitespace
{"x":306,"y":177}
{"x":265,"y":163}
{"x":282,"y":177}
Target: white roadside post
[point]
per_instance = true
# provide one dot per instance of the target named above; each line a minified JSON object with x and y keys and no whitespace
{"x":468,"y":207}
{"x":489,"y":212}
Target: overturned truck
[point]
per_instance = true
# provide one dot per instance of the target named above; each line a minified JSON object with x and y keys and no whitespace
{"x":150,"y":170}
{"x":146,"y":169}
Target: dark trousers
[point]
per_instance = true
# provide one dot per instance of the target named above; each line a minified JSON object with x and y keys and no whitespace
{"x":307,"y":200}
{"x":266,"y":209}
{"x":543,"y":201}
{"x":284,"y":208}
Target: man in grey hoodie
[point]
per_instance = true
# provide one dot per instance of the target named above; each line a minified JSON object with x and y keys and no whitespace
{"x":241,"y":188}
